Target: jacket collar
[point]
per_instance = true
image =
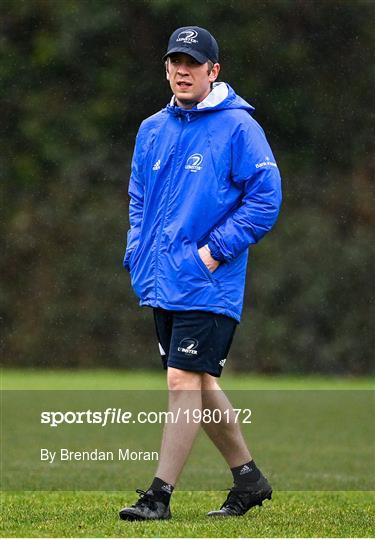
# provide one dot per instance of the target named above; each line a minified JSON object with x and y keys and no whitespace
{"x":218,"y":94}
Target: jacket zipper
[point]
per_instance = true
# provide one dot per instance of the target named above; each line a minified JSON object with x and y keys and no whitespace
{"x":166,"y":206}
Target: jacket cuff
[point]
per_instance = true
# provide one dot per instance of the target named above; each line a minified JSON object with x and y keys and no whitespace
{"x":215,"y":252}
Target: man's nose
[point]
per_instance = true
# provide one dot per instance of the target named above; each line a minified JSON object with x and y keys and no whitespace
{"x":183,"y":69}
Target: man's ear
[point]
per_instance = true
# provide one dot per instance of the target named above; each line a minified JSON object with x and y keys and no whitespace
{"x":166,"y":70}
{"x":214,"y":73}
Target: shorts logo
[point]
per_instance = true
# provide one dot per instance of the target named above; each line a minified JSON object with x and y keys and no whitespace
{"x":193,"y":163}
{"x":187,"y":36}
{"x":188,"y":346}
{"x":222,"y":362}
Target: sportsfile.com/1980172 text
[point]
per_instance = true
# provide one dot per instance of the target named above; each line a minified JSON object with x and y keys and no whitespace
{"x":113,"y":415}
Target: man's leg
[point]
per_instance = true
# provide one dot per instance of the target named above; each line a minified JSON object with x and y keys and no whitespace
{"x":184,"y":394}
{"x":226,"y":435}
{"x":178,"y":438}
{"x":251,"y":488}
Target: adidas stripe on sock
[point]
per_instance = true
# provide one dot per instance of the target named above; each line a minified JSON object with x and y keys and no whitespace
{"x":245,"y":474}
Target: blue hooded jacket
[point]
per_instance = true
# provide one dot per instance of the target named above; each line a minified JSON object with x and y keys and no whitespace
{"x":203,"y":175}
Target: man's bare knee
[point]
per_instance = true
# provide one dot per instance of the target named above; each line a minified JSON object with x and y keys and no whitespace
{"x":209,"y":382}
{"x":178,"y":379}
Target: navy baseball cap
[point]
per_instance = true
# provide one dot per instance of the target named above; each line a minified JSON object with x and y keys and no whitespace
{"x":195,"y":41}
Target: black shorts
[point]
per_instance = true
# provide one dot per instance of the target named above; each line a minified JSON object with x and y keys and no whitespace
{"x":194,"y":340}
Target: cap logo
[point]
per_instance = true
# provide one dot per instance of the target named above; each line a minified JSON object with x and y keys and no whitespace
{"x":187,"y":36}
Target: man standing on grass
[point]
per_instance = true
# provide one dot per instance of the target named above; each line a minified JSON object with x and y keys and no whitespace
{"x":204,"y":187}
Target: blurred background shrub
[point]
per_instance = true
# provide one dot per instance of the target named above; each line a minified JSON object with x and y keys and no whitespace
{"x":77,"y":78}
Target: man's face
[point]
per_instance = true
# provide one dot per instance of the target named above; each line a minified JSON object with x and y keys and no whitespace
{"x":190,"y":81}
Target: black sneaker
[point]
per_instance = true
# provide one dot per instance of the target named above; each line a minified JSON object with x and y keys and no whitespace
{"x":240,"y":500}
{"x":147,"y":507}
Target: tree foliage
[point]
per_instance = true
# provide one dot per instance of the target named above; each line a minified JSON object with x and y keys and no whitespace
{"x":78,"y":77}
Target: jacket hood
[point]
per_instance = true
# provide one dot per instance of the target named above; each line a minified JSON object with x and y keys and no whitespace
{"x":222,"y":96}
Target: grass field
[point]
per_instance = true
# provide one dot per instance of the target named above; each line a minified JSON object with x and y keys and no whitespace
{"x":94,"y":514}
{"x":301,"y":514}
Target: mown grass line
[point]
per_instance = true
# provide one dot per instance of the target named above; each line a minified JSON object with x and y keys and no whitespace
{"x":108,"y":379}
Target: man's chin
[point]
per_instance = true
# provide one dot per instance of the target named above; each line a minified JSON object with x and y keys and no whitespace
{"x":186,"y":101}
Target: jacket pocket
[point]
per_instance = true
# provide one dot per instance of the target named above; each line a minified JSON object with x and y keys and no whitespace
{"x":133,"y":256}
{"x":203,"y":268}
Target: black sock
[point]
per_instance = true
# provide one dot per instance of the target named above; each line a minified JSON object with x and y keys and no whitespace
{"x":161,"y":490}
{"x":245,"y":474}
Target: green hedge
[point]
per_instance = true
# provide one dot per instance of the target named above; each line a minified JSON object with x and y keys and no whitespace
{"x":77,"y":79}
